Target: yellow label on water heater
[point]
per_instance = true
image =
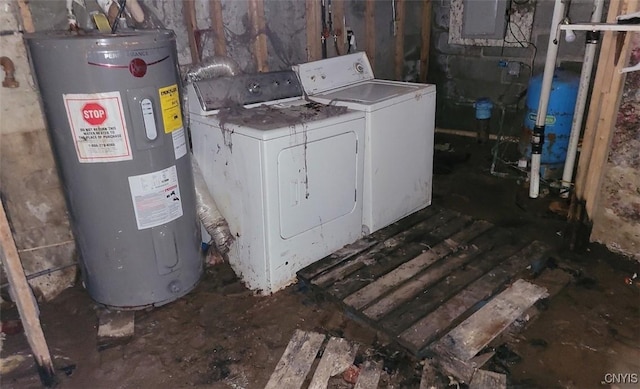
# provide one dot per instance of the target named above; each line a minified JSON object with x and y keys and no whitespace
{"x":170,"y":106}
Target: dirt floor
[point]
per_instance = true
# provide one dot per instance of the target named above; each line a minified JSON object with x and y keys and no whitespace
{"x":221,"y":336}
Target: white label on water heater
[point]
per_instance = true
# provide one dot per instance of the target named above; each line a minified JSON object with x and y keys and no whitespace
{"x":156,"y":197}
{"x":98,"y":127}
{"x":179,"y":143}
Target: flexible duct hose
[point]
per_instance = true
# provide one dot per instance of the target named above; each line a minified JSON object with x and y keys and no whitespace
{"x":212,"y":67}
{"x":208,"y":212}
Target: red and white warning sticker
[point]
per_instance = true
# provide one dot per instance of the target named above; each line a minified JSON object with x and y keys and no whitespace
{"x":98,"y":127}
{"x":156,"y":197}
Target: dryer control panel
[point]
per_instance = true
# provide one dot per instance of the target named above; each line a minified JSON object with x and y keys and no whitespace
{"x":327,"y":74}
{"x":245,"y":89}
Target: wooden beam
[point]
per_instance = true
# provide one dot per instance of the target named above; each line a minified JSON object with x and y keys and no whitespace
{"x":426,"y":39}
{"x":370,"y":31}
{"x":256,"y":15}
{"x":25,"y":15}
{"x":314,"y":29}
{"x":601,"y":119}
{"x":217,"y":25}
{"x":25,"y":301}
{"x":189,"y":7}
{"x":399,"y":31}
{"x":339,"y":25}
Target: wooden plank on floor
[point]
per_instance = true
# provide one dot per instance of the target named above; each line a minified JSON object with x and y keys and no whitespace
{"x":369,"y":375}
{"x":554,"y":280}
{"x":409,"y":269}
{"x":344,"y":254}
{"x":467,"y":339}
{"x":435,"y":273}
{"x":294,"y":365}
{"x":347,"y":267}
{"x":338,"y":356}
{"x":428,"y":328}
{"x":484,"y":379}
{"x":348,"y":251}
{"x":390,"y":258}
{"x":428,"y":379}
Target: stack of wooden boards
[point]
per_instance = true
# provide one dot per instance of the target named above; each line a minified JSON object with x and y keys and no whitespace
{"x":439,"y":284}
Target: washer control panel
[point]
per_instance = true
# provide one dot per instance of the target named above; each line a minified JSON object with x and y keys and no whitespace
{"x":327,"y":74}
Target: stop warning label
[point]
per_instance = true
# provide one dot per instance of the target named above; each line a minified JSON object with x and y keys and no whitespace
{"x":98,"y":127}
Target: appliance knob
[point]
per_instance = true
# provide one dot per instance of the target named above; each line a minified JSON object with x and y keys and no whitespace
{"x":254,"y":88}
{"x":359,"y":68}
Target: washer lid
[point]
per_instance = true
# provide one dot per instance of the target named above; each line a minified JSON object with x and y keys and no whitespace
{"x":374,"y":92}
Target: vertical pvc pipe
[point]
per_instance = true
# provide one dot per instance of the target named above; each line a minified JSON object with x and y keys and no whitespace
{"x":583,"y":94}
{"x":537,"y":139}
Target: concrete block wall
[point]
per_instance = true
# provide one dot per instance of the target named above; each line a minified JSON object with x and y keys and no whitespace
{"x":465,"y":73}
{"x":29,"y":183}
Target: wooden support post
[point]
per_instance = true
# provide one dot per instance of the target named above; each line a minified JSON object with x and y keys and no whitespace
{"x":25,"y":301}
{"x":339,"y":26}
{"x":25,"y":14}
{"x":256,"y":15}
{"x":370,"y":31}
{"x":314,"y":29}
{"x":189,"y":7}
{"x":399,"y":31}
{"x":601,"y":119}
{"x":217,"y":25}
{"x":426,"y":39}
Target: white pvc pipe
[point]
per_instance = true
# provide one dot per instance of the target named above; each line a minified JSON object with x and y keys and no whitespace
{"x":547,"y":80}
{"x":583,"y":94}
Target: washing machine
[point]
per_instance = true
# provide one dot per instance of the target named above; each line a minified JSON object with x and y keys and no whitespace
{"x":400,"y":123}
{"x":286,"y":173}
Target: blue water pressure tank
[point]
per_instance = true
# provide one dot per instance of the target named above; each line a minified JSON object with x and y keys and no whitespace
{"x":562,"y":102}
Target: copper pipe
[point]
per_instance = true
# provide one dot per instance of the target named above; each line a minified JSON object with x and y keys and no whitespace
{"x":9,"y":70}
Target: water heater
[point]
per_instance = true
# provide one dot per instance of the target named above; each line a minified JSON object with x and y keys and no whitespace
{"x":113,"y":108}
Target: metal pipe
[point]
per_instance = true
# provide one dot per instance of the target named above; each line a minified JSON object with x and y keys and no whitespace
{"x":592,"y":41}
{"x":537,"y":138}
{"x":44,"y":272}
{"x":9,"y":73}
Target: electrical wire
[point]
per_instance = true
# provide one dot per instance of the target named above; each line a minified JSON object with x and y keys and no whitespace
{"x":521,"y":42}
{"x":121,"y":4}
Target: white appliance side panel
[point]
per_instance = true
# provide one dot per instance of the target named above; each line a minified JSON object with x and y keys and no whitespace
{"x":232,"y":168}
{"x":326,"y":74}
{"x":330,"y":150}
{"x":317,"y":183}
{"x":398,"y":161}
